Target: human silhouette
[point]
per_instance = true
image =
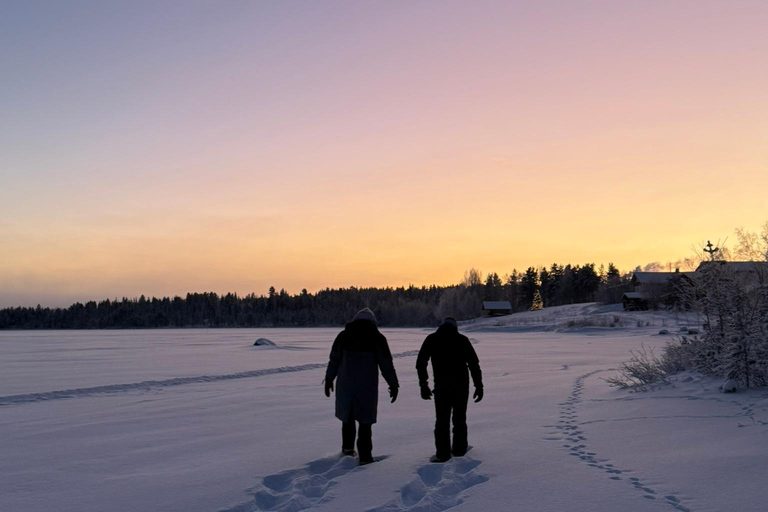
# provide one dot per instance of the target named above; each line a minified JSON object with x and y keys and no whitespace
{"x":358,"y":353}
{"x":453,"y":358}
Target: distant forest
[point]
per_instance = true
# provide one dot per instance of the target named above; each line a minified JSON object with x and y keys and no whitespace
{"x":411,"y":306}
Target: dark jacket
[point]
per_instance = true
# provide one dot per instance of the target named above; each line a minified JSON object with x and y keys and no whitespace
{"x":453,"y":358}
{"x":356,"y":356}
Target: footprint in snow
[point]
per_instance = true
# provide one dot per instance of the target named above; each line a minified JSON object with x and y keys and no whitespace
{"x":437,"y":487}
{"x":298,"y":489}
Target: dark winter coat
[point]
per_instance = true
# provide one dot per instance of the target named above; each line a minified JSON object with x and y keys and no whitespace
{"x":453,"y":358}
{"x":356,"y":356}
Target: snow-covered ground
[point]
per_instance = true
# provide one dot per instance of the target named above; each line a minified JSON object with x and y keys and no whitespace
{"x":196,"y":420}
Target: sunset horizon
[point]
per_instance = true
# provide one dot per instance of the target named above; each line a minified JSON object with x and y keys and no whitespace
{"x":160,"y":149}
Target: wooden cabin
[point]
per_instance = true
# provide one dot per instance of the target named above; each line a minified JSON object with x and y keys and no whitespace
{"x":635,"y":301}
{"x":497,"y":307}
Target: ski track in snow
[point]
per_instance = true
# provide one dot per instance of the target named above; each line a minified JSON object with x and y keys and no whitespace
{"x":148,"y":385}
{"x":298,"y":489}
{"x":570,"y":430}
{"x":437,"y":487}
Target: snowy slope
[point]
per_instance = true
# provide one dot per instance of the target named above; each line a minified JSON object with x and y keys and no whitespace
{"x":575,"y":317}
{"x":196,"y":420}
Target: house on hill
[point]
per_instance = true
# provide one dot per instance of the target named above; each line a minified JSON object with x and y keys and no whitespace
{"x":749,"y":273}
{"x":654,"y":288}
{"x":651,"y":289}
{"x":497,"y":307}
{"x":649,"y":282}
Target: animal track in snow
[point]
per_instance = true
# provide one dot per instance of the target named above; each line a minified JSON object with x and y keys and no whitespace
{"x":437,"y":487}
{"x":298,"y":489}
{"x":571,"y":431}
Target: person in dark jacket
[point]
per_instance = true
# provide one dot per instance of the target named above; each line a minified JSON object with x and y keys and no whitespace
{"x":358,"y":353}
{"x":453,"y":359}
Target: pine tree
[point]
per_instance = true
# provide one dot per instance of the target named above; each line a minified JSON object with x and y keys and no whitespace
{"x":613,"y":275}
{"x":551,"y":294}
{"x":492,"y":289}
{"x":529,"y":284}
{"x":513,"y":289}
{"x":545,"y":283}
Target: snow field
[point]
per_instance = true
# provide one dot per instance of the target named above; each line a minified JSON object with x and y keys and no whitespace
{"x":550,"y":435}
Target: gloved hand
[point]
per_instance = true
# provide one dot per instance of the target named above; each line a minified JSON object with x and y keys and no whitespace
{"x":328,"y":387}
{"x":393,"y":393}
{"x":426,"y":393}
{"x":478,"y":394}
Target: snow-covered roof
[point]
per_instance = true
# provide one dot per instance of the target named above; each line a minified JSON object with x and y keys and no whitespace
{"x":657,"y":277}
{"x":738,"y":266}
{"x":496,"y":304}
{"x":635,"y":295}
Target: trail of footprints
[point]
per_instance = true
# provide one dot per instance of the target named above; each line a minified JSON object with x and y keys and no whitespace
{"x":437,"y":487}
{"x":569,"y":430}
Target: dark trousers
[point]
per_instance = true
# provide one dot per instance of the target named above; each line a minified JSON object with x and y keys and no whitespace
{"x":446,"y":405}
{"x":364,"y":438}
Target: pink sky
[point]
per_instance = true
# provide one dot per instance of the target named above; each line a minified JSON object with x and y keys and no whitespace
{"x":156,"y":150}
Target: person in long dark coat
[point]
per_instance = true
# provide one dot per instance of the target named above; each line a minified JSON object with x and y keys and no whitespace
{"x":453,"y":359}
{"x":358,"y":353}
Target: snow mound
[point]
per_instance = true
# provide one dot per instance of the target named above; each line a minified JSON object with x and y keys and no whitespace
{"x":730,"y":386}
{"x":264,"y":342}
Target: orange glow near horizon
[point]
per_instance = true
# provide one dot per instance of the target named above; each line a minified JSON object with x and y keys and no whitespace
{"x":257,"y":145}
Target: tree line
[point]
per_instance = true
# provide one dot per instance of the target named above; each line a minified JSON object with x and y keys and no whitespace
{"x":402,"y":306}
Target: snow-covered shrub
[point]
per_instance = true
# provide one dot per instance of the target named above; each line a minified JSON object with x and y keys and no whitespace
{"x":676,"y":357}
{"x":701,"y":354}
{"x":643,"y":369}
{"x":592,"y":321}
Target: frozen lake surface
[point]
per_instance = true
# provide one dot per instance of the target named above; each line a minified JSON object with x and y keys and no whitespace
{"x":196,"y":420}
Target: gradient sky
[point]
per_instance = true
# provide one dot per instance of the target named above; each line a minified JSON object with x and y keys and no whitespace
{"x":163,"y":147}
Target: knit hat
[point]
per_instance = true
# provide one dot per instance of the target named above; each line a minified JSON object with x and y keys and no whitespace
{"x":365,"y":314}
{"x":452,"y":321}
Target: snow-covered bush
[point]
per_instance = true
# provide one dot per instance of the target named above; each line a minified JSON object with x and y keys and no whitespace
{"x":643,"y":369}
